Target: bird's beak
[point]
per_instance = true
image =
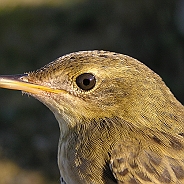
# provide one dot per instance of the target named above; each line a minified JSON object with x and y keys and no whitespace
{"x":20,"y":82}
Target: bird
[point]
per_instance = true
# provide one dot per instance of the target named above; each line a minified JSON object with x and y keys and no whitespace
{"x":119,"y":122}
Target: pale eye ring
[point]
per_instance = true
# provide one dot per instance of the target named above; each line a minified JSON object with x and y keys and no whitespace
{"x":86,"y":81}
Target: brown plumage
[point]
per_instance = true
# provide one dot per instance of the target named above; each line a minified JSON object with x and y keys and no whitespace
{"x":118,"y":120}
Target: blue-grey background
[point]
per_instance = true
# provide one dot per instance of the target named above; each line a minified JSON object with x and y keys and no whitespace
{"x":31,"y":35}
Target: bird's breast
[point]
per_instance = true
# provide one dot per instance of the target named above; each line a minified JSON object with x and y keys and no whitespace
{"x":84,"y":159}
{"x":66,"y":161}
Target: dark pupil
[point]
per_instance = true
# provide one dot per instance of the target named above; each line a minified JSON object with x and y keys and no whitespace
{"x":86,"y":81}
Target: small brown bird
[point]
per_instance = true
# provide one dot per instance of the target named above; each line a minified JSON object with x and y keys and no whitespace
{"x":118,"y":120}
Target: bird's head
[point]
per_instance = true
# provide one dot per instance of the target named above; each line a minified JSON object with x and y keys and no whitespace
{"x":95,"y":84}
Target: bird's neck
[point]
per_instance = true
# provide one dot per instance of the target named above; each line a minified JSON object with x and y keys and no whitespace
{"x":87,"y":148}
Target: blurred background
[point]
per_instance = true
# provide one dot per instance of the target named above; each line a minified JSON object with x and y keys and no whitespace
{"x":35,"y":32}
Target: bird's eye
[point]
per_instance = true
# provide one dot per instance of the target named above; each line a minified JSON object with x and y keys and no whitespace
{"x":86,"y":81}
